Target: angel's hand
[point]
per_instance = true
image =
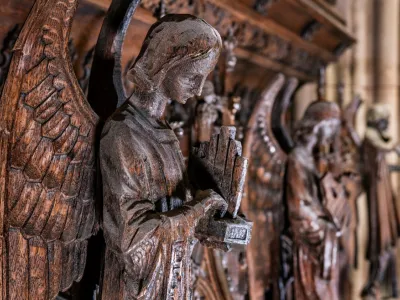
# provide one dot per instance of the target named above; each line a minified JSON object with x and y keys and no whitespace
{"x":204,"y":206}
{"x":211,"y":201}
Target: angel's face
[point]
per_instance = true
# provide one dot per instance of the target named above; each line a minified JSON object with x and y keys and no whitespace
{"x":328,"y":130}
{"x":186,"y":80}
{"x":327,"y":134}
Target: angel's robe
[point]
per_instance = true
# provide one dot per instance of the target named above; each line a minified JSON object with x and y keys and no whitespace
{"x":315,"y":240}
{"x":148,"y":238}
{"x":383,"y":214}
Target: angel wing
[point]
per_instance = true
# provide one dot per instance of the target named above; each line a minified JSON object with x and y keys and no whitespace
{"x":47,"y":158}
{"x":106,"y":74}
{"x":263,"y":201}
{"x":352,"y":179}
{"x":351,"y":141}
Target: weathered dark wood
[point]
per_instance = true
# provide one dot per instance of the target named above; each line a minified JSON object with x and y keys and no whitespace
{"x":106,"y":80}
{"x":317,"y":208}
{"x":258,"y":35}
{"x":263,"y":202}
{"x":151,"y":218}
{"x":260,"y":44}
{"x":47,"y":160}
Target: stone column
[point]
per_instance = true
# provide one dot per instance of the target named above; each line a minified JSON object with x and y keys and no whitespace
{"x":387,"y":75}
{"x":306,"y":94}
{"x":387,"y":60}
{"x":332,"y":82}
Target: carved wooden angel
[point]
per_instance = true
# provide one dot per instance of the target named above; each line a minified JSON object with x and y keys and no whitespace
{"x":300,"y":187}
{"x":151,"y":217}
{"x":47,"y":159}
{"x":382,"y":209}
{"x":317,"y":207}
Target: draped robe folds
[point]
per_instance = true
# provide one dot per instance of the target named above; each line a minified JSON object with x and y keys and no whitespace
{"x":315,"y":241}
{"x":383,"y":213}
{"x":148,"y":236}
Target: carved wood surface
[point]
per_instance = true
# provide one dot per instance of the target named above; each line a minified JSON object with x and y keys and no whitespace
{"x":47,"y":155}
{"x":47,"y":160}
{"x":317,"y":208}
{"x":273,"y":45}
{"x":263,"y":203}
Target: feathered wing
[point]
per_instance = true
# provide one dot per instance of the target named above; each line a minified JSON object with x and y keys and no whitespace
{"x":47,"y":160}
{"x":351,"y":141}
{"x":352,"y":179}
{"x":263,"y":202}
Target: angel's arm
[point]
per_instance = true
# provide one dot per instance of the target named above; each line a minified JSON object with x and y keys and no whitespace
{"x":374,"y":138}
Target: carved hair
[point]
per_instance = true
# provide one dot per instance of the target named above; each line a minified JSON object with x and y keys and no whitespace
{"x":173,"y":40}
{"x":377,"y":112}
{"x":318,"y":114}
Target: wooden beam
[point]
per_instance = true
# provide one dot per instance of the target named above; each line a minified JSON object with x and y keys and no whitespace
{"x":247,"y":14}
{"x":270,"y":64}
{"x":323,"y":17}
{"x":244,"y":13}
{"x":141,"y":14}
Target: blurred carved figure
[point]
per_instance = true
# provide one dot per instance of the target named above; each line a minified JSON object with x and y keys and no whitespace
{"x":206,"y":113}
{"x":383,"y":214}
{"x":317,"y":208}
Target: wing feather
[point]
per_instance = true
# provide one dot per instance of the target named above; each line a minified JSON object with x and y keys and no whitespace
{"x":55,"y":127}
{"x":263,"y":201}
{"x":55,"y":259}
{"x":49,"y":129}
{"x":19,"y":277}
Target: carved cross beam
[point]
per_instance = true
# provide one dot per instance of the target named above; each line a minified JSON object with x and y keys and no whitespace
{"x":261,"y":40}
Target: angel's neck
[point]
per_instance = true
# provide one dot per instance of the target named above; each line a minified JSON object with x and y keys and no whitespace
{"x":151,"y":103}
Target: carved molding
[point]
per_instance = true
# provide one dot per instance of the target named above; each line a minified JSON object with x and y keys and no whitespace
{"x":249,"y":37}
{"x":261,"y":40}
{"x":262,"y":6}
{"x":310,"y":29}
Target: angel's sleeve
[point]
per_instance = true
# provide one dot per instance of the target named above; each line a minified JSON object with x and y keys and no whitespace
{"x":373,"y":137}
{"x":144,"y":239}
{"x":129,"y":214}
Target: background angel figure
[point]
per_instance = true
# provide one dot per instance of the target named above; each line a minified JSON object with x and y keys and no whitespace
{"x":383,"y":213}
{"x":316,"y":206}
{"x":207,"y":111}
{"x":150,"y":216}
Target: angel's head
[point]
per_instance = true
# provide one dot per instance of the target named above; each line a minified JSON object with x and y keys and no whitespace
{"x":320,"y":124}
{"x":378,"y":119}
{"x":176,"y":57}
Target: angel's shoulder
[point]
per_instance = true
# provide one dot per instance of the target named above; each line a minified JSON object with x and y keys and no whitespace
{"x":121,"y":134}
